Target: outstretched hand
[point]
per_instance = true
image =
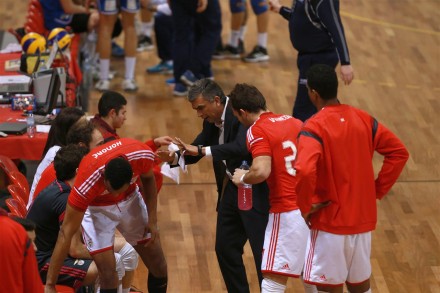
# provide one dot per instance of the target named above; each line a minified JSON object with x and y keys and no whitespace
{"x":189,"y":149}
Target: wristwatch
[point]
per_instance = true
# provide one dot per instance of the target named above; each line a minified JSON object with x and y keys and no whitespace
{"x":199,"y":149}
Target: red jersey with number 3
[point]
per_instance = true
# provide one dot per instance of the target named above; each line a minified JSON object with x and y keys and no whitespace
{"x":89,"y":188}
{"x":274,"y":135}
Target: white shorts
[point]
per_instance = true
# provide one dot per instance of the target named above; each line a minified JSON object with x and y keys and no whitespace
{"x":129,"y":216}
{"x":285,"y":243}
{"x":335,"y":259}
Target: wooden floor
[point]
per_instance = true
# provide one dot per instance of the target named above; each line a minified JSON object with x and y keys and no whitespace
{"x":395,"y":49}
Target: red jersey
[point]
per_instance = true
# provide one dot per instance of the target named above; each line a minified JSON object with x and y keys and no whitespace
{"x":47,"y":177}
{"x":275,"y":135}
{"x":334,"y":163}
{"x":17,"y":255}
{"x":89,"y":188}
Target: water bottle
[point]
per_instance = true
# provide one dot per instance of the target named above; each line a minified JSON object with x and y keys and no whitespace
{"x":244,"y":192}
{"x":31,"y":128}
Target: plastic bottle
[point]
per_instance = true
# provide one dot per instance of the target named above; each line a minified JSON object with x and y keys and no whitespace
{"x":31,"y":128}
{"x":244,"y":192}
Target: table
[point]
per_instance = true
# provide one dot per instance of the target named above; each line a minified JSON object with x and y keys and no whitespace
{"x":20,"y":146}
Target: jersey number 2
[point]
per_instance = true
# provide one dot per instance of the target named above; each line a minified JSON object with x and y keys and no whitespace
{"x":290,"y":159}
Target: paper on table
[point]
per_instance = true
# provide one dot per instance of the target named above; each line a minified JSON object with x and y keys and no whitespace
{"x":43,"y":128}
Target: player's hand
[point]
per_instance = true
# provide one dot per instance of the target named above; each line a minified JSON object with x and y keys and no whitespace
{"x":275,"y":5}
{"x":153,"y":232}
{"x":189,"y":149}
{"x":162,"y":140}
{"x":347,"y":74}
{"x":166,"y":156}
{"x":201,"y":6}
{"x":315,"y":207}
{"x":237,"y":176}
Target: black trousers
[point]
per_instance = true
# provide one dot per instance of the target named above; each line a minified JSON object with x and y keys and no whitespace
{"x":234,"y":229}
{"x":303,"y":107}
{"x":164,"y":31}
{"x":196,"y":36}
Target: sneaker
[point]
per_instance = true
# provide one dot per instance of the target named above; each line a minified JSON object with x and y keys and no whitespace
{"x":170,"y":81}
{"x":240,"y":46}
{"x":228,"y":52}
{"x":117,"y":51}
{"x":103,"y":85}
{"x":129,"y":85}
{"x":258,"y":54}
{"x":180,"y":90}
{"x":144,"y":44}
{"x":95,"y":74}
{"x":218,"y":53}
{"x":188,"y":78}
{"x":162,"y":67}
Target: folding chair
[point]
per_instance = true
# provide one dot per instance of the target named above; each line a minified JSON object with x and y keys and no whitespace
{"x":17,"y":178}
{"x":16,"y":208}
{"x":18,"y":193}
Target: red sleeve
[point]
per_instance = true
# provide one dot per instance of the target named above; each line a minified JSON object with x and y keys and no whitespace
{"x":309,"y":152}
{"x":31,"y":277}
{"x":151,"y":144}
{"x":257,"y":142}
{"x":395,"y":156}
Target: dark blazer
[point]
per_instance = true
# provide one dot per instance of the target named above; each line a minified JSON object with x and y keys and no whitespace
{"x":234,"y":151}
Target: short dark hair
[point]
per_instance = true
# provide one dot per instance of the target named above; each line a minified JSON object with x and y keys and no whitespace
{"x":110,"y":100}
{"x":248,"y":98}
{"x":208,"y":89}
{"x":118,"y":172}
{"x":81,"y":132}
{"x":323,"y":79}
{"x":67,"y":160}
{"x":27,"y":224}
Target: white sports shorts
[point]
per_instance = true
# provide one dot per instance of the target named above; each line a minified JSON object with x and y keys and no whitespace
{"x":285,"y":243}
{"x":333,"y":259}
{"x":129,"y":216}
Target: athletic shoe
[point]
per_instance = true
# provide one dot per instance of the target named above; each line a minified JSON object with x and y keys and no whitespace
{"x":180,"y":90}
{"x":95,"y":73}
{"x":162,"y":67}
{"x":117,"y":51}
{"x":103,"y":85}
{"x":129,"y":85}
{"x":258,"y":54}
{"x":228,"y":52}
{"x":188,"y":78}
{"x":240,"y":46}
{"x":170,"y":81}
{"x":144,"y":44}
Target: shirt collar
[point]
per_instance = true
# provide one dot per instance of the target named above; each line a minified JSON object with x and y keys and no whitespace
{"x":221,"y":125}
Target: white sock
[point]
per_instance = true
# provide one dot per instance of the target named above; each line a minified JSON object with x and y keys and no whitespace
{"x":233,"y":40}
{"x":242,"y":32}
{"x":262,"y":40}
{"x":130,"y":63}
{"x":104,"y":67}
{"x":147,"y":27}
{"x":270,"y":286}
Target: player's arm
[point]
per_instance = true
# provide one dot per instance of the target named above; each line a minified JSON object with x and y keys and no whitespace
{"x":149,"y":193}
{"x":259,"y":171}
{"x":77,"y":247}
{"x":70,"y":226}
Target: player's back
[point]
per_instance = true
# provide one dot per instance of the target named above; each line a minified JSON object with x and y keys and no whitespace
{"x":275,"y":135}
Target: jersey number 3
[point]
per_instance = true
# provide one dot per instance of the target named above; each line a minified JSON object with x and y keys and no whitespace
{"x":290,"y":159}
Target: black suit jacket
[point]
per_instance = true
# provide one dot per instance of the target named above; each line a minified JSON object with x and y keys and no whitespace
{"x":233,"y":151}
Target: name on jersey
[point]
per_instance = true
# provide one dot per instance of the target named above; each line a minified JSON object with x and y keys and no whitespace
{"x":109,"y":148}
{"x":281,"y":118}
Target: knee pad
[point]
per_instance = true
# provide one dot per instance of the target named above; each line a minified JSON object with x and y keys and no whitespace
{"x":129,"y":257}
{"x":119,"y":266}
{"x":237,"y":6}
{"x":259,"y":6}
{"x":270,"y":286}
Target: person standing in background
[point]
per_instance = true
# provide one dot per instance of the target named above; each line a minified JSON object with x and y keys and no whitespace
{"x":316,"y":32}
{"x":336,"y":187}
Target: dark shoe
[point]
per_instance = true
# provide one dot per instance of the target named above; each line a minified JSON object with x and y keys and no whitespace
{"x":188,"y":78}
{"x":228,"y":52}
{"x":144,"y":44}
{"x":240,"y":47}
{"x":180,"y":90}
{"x":258,"y":54}
{"x":117,"y":51}
{"x":162,"y":67}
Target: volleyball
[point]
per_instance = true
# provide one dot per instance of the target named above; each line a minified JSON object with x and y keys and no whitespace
{"x":61,"y":36}
{"x":33,"y":43}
